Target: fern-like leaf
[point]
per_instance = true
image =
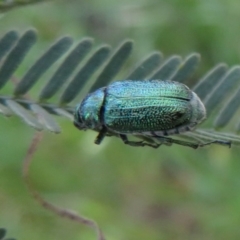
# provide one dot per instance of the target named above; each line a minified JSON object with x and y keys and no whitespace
{"x":6,"y":5}
{"x":219,"y":85}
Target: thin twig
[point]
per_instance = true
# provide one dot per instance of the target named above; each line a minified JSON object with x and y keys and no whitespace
{"x":44,"y":203}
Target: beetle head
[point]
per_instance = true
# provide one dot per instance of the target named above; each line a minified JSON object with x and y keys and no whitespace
{"x":87,"y":114}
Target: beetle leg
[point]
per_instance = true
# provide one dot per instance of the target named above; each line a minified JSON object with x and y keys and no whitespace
{"x":181,"y":142}
{"x":138,"y":143}
{"x":221,"y":142}
{"x":169,"y":141}
{"x":101,"y":135}
{"x":165,"y":140}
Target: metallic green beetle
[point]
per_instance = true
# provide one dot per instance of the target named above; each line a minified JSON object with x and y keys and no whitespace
{"x":148,"y":109}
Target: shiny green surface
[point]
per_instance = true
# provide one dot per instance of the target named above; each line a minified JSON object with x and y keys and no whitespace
{"x":140,"y":107}
{"x":144,"y":106}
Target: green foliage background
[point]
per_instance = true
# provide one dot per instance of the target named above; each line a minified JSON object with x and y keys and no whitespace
{"x":133,"y":193}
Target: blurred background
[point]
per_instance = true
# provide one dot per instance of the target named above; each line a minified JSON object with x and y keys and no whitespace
{"x":133,"y":193}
